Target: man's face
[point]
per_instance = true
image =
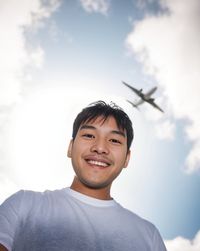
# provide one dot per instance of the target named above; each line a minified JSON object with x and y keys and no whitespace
{"x":99,"y":152}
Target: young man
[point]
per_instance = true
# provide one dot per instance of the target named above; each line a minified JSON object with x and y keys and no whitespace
{"x":83,"y":217}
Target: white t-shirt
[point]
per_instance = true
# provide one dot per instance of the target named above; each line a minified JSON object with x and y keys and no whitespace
{"x":65,"y":220}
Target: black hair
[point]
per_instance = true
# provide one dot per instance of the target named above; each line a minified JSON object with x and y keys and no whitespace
{"x":101,"y":109}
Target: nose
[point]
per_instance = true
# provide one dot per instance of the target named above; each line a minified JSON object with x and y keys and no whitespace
{"x":100,"y":146}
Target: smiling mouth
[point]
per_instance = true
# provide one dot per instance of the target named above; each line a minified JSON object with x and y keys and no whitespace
{"x":97,"y":163}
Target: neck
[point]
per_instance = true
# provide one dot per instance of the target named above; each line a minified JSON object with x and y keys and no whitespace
{"x":97,"y":193}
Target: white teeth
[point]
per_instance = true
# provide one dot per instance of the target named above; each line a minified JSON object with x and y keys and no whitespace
{"x":97,"y":163}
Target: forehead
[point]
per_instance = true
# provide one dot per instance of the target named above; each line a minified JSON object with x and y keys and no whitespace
{"x":101,"y":122}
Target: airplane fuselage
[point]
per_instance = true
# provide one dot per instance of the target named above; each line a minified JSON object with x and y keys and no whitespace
{"x":145,"y":97}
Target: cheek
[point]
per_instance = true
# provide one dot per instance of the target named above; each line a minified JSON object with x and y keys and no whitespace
{"x":120,"y":156}
{"x":78,"y":151}
{"x":80,"y":146}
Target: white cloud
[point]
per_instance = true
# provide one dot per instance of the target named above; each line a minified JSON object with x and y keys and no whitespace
{"x":165,"y":130}
{"x":56,"y":33}
{"x":16,"y":55}
{"x":168,"y":45}
{"x":37,"y":57}
{"x":181,"y":244}
{"x":15,"y":18}
{"x":100,"y":6}
{"x":193,"y":158}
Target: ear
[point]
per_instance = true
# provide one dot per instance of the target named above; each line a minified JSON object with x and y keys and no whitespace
{"x":127,"y":158}
{"x":69,"y":151}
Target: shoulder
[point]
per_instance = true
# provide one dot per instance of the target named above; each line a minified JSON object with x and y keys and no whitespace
{"x":14,"y":201}
{"x":144,"y":228}
{"x":24,"y":206}
{"x":137,"y":221}
{"x":30,"y":198}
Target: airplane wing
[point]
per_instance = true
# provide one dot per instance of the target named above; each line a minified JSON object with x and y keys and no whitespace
{"x":150,"y":92}
{"x":134,"y":105}
{"x":154,"y":105}
{"x":144,"y":97}
{"x":139,"y":102}
{"x":138,"y":92}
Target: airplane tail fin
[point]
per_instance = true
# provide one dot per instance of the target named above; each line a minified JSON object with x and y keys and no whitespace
{"x":134,"y":105}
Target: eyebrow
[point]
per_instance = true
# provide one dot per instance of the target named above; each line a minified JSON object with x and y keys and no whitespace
{"x":94,"y":128}
{"x":87,"y":127}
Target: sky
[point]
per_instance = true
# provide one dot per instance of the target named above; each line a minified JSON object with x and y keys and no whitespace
{"x":59,"y":56}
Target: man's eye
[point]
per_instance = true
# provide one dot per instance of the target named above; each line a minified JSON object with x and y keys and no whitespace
{"x":89,"y":136}
{"x":116,"y":141}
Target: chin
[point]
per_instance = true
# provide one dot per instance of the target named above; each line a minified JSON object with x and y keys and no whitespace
{"x":96,"y":185}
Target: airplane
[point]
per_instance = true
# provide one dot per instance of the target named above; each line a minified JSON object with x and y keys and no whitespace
{"x":145,"y":97}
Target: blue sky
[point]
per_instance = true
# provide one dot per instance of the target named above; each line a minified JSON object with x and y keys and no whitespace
{"x":58,"y":56}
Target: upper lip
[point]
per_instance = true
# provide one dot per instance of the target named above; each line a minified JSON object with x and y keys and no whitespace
{"x":99,"y":159}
